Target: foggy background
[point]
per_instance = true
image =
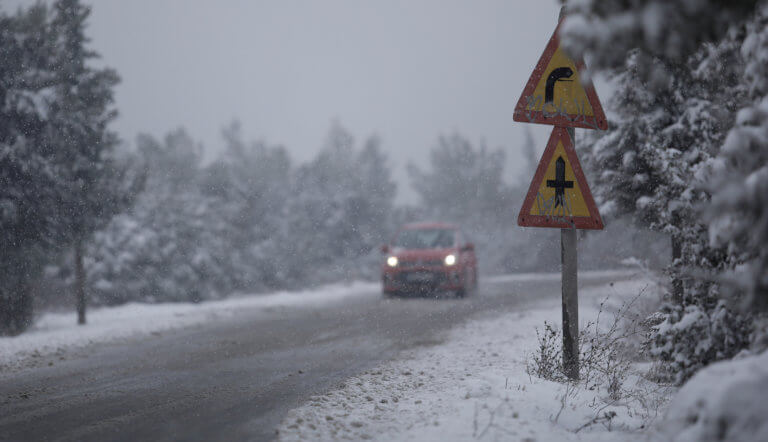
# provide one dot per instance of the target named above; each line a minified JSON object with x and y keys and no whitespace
{"x":405,"y":70}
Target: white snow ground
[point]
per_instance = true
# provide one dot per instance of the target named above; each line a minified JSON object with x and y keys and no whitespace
{"x":723,"y":402}
{"x":57,"y":333}
{"x":474,"y":386}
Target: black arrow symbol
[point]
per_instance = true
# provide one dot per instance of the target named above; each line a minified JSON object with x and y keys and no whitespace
{"x":556,"y":75}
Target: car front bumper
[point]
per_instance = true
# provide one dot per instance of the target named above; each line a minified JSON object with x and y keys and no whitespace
{"x":422,"y":279}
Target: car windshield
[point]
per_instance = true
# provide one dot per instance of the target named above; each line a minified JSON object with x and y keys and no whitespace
{"x":425,"y":239}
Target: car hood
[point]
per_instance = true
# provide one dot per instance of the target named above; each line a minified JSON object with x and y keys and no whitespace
{"x":422,"y":254}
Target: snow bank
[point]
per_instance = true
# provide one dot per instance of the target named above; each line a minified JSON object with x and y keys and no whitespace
{"x":473,"y":386}
{"x":555,"y":276}
{"x":55,"y":333}
{"x":723,"y":402}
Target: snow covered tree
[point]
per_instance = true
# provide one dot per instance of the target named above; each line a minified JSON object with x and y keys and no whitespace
{"x":251,"y":183}
{"x":650,"y":164}
{"x":58,"y":183}
{"x":463,"y":181}
{"x":373,"y":212}
{"x":668,"y":31}
{"x":29,"y":185}
{"x":674,"y":158}
{"x":246,"y":222}
{"x":739,"y":212}
{"x":78,"y":133}
{"x":340,"y":210}
{"x":169,"y":245}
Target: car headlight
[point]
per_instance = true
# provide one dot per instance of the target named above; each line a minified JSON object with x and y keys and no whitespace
{"x":450,"y":260}
{"x":392,"y":261}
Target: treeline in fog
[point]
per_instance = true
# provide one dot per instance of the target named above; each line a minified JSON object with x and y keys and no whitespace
{"x":253,"y":219}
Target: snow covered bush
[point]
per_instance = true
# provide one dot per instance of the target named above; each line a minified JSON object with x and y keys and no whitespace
{"x":692,"y":336}
{"x":612,"y":365}
{"x":547,"y":361}
{"x":605,"y":351}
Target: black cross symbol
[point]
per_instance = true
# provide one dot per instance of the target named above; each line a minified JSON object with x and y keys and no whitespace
{"x":559,"y":183}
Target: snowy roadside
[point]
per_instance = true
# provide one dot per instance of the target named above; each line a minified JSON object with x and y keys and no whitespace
{"x":57,"y":333}
{"x":555,"y":276}
{"x":723,"y":402}
{"x":475,"y":386}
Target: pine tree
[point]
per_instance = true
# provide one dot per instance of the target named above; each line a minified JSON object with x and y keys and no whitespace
{"x":650,"y":163}
{"x":341,"y":206}
{"x":79,"y":134}
{"x":373,"y":214}
{"x":31,"y":185}
{"x":674,"y":158}
{"x":738,"y":217}
{"x":251,"y":182}
{"x":667,"y":31}
{"x":168,"y":246}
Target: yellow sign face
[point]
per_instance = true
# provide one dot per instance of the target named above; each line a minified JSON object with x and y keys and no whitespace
{"x":559,"y":90}
{"x":558,"y":93}
{"x":559,"y":194}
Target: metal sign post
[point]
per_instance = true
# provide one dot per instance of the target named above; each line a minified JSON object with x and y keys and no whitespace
{"x":558,"y":93}
{"x":569,"y":267}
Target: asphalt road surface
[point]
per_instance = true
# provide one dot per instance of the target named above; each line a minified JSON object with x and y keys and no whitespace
{"x":236,"y":378}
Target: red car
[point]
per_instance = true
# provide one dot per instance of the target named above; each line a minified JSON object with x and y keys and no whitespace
{"x":429,"y":257}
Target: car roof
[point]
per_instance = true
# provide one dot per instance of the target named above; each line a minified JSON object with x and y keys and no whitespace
{"x":429,"y":225}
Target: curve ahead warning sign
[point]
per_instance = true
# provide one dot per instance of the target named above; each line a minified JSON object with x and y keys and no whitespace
{"x":557,"y":92}
{"x":559,"y":195}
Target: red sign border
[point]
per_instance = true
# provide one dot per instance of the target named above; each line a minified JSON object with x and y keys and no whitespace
{"x":520,"y":113}
{"x":592,"y":222}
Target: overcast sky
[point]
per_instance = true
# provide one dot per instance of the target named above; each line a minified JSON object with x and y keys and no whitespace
{"x":407,"y":70}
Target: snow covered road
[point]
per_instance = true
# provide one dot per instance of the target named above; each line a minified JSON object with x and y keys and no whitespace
{"x":230,"y":369}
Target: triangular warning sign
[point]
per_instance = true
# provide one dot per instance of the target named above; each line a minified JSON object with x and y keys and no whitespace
{"x":559,"y":195}
{"x":557,"y":92}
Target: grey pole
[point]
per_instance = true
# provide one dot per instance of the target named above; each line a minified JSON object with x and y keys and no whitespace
{"x":570,"y":296}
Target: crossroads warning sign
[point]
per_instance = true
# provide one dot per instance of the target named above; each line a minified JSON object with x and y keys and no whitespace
{"x":559,"y":195}
{"x":557,"y":92}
